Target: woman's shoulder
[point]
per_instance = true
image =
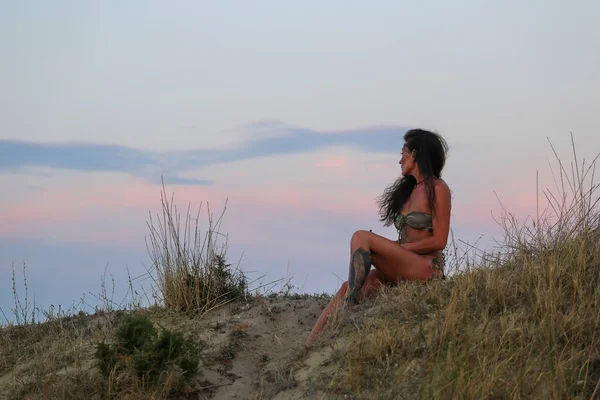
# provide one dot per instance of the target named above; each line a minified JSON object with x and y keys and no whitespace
{"x":441,"y":187}
{"x":440,"y":183}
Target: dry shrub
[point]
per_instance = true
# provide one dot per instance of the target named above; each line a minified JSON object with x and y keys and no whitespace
{"x":190,"y":270}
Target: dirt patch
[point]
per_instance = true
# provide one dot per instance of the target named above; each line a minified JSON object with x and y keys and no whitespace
{"x":253,"y":349}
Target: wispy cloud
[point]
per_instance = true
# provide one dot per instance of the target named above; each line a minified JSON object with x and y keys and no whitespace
{"x":82,"y":157}
{"x":280,"y":139}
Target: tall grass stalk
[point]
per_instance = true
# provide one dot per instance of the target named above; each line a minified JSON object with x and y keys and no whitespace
{"x":189,"y":268}
{"x":23,"y":312}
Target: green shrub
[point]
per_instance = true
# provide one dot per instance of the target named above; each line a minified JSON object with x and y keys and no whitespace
{"x":136,"y":331}
{"x":144,"y":354}
{"x":222,"y":284}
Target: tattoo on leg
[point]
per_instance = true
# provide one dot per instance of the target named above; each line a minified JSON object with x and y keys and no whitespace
{"x":360,"y":264}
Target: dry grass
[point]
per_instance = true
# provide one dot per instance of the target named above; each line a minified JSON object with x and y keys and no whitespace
{"x":189,"y":269}
{"x":524,"y":324}
{"x":53,"y":359}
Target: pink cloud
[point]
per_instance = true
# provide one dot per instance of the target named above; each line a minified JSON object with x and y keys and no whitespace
{"x":333,"y":163}
{"x":485,"y":210}
{"x":118,"y":212}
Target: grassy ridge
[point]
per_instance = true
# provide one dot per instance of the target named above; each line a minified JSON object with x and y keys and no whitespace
{"x":523,"y":323}
{"x":528,"y":329}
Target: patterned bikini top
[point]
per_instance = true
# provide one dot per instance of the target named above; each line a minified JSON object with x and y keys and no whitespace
{"x":414,"y":219}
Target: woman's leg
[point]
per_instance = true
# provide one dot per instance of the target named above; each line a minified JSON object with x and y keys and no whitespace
{"x":392,"y":260}
{"x":372,"y":284}
{"x":392,"y":263}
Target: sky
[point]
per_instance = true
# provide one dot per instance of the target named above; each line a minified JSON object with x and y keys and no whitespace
{"x":290,"y":114}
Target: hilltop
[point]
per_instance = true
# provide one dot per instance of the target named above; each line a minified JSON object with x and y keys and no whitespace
{"x":528,"y":328}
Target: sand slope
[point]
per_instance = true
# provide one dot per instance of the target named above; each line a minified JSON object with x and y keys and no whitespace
{"x":255,"y":350}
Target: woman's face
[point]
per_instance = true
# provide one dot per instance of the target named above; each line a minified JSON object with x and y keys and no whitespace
{"x":407,"y":161}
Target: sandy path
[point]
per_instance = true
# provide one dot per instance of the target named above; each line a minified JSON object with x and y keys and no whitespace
{"x":255,"y":351}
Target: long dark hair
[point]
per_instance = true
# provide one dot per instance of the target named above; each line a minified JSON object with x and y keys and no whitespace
{"x":431,"y":149}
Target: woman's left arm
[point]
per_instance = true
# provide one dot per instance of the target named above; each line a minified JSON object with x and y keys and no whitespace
{"x":440,"y":223}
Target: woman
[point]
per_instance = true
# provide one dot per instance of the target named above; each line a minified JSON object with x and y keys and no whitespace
{"x":418,"y":204}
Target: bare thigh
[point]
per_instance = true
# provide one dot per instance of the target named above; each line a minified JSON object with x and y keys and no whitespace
{"x":396,"y":263}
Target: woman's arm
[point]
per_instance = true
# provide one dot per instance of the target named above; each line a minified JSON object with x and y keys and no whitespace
{"x":440,"y":223}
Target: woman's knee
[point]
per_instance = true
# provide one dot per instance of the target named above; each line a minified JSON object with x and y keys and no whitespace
{"x":360,"y":239}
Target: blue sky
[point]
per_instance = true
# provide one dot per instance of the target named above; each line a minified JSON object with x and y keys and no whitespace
{"x":292,"y":112}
